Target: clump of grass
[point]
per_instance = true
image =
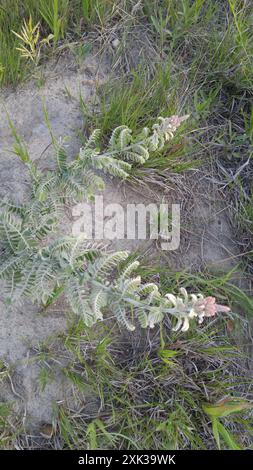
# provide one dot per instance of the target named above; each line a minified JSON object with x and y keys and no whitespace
{"x":55,"y":14}
{"x":133,"y":100}
{"x":8,"y":430}
{"x":95,"y":11}
{"x":150,"y":392}
{"x":10,"y":425}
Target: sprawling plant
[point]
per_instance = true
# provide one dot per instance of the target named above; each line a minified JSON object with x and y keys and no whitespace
{"x":36,"y":264}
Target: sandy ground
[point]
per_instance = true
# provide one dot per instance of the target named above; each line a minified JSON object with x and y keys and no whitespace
{"x":206,"y":239}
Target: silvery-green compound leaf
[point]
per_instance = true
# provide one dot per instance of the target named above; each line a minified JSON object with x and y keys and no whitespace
{"x":92,"y":281}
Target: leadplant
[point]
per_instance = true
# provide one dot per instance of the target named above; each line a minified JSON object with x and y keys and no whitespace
{"x":37,"y":264}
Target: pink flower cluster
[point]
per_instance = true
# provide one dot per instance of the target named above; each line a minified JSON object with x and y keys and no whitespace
{"x":175,"y":121}
{"x":208,"y":307}
{"x":193,"y":306}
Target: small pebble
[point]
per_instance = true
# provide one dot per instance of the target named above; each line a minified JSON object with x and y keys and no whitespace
{"x":115,"y":43}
